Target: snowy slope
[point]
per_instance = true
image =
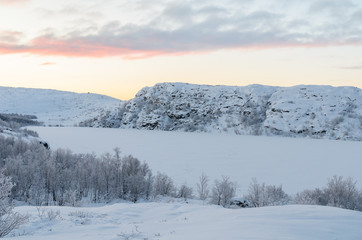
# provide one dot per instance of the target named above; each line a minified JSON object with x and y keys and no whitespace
{"x":10,"y":126}
{"x":296,"y":163}
{"x":176,"y":221}
{"x":54,"y":107}
{"x":313,"y":111}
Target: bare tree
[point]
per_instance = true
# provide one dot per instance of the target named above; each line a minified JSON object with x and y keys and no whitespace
{"x":202,"y":187}
{"x":184,"y":192}
{"x":223,"y":191}
{"x":342,"y":192}
{"x":255,"y":195}
{"x":260,"y":195}
{"x":311,"y":197}
{"x":339,"y":192}
{"x":163,"y":185}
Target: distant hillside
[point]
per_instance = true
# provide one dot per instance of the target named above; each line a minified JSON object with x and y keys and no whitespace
{"x":10,"y":126}
{"x":305,"y":111}
{"x":54,"y":107}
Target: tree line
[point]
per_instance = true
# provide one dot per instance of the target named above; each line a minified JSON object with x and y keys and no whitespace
{"x":60,"y":177}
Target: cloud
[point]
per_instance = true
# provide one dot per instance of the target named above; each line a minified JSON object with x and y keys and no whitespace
{"x":183,"y":28}
{"x":47,"y":63}
{"x":334,"y":7}
{"x":356,"y":67}
{"x":12,"y":2}
{"x":82,"y":47}
{"x":10,"y":36}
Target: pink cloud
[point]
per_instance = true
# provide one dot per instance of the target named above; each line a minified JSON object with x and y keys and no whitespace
{"x":12,"y":2}
{"x":138,"y":43}
{"x":46,"y":46}
{"x":47,"y":63}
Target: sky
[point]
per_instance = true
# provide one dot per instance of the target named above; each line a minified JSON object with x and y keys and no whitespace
{"x":117,"y":47}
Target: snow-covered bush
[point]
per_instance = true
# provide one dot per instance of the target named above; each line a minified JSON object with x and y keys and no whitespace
{"x":338,"y":192}
{"x":311,"y":197}
{"x":184,"y":192}
{"x":223,"y":191}
{"x":342,"y":193}
{"x":163,"y":185}
{"x":260,"y":195}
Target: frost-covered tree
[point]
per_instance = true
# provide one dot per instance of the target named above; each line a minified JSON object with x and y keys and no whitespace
{"x":223,"y":191}
{"x":256,"y":194}
{"x":260,"y":195}
{"x":136,"y":177}
{"x":311,"y":197}
{"x":339,"y":192}
{"x":8,"y":219}
{"x":163,"y":185}
{"x":46,"y":177}
{"x":342,"y":192}
{"x":184,"y":192}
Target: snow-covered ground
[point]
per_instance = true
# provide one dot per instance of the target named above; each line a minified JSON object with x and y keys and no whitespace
{"x":171,"y":221}
{"x":295,"y":163}
{"x":54,"y":107}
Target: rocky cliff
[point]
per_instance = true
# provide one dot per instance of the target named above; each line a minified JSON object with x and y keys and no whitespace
{"x":307,"y":111}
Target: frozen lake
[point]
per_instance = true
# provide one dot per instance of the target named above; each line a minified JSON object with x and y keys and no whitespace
{"x":295,"y":163}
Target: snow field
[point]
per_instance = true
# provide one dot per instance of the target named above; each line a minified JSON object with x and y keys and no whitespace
{"x":180,"y":221}
{"x":296,"y":163}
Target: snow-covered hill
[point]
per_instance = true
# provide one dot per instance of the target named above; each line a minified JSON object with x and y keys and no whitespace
{"x":313,"y":111}
{"x":54,"y":107}
{"x":179,"y":221}
{"x":305,"y":111}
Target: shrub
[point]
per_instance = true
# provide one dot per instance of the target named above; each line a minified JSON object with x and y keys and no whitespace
{"x":338,"y":192}
{"x":223,"y":191}
{"x":163,"y":185}
{"x":260,"y":195}
{"x":184,"y":192}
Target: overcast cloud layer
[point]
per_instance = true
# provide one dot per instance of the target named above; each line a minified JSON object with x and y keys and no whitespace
{"x":143,"y":28}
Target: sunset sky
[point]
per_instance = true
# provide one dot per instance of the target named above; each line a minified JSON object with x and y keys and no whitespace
{"x":116,"y":47}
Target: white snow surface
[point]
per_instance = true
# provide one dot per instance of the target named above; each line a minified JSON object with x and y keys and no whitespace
{"x":180,"y":221}
{"x":296,"y":163}
{"x":54,"y":107}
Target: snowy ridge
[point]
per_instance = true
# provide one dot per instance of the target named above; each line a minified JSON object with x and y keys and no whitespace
{"x":54,"y":107}
{"x":306,"y":111}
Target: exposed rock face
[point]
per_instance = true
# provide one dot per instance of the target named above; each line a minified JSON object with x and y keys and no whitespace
{"x":313,"y":111}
